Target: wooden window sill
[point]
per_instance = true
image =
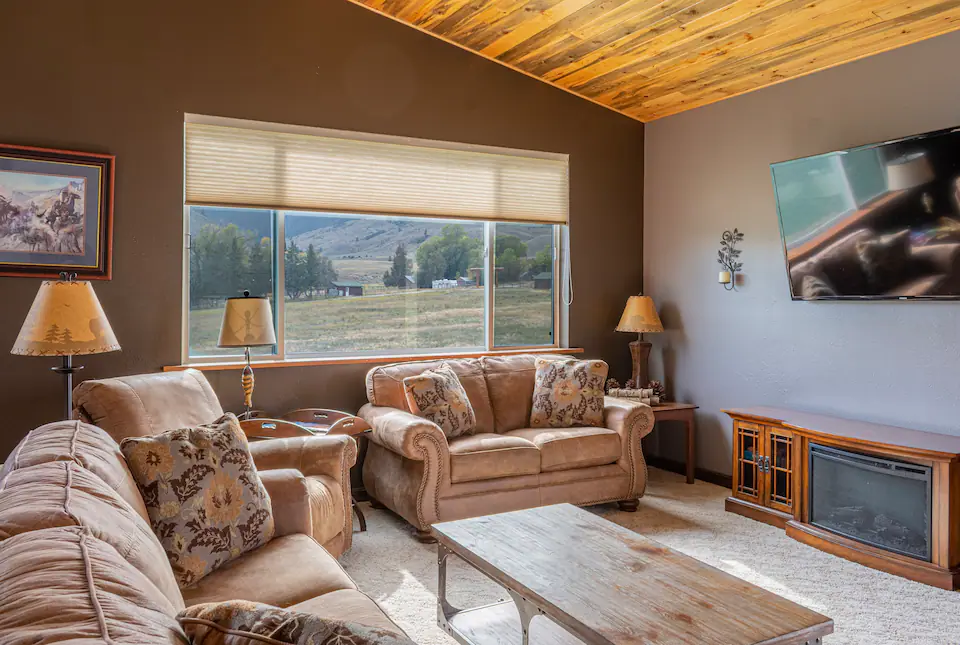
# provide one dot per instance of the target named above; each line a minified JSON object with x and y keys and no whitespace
{"x":359,"y":360}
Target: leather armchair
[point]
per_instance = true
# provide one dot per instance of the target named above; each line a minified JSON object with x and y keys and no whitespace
{"x":147,"y":404}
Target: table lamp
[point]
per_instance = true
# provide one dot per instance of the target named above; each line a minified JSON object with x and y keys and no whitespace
{"x":66,"y":319}
{"x":247,"y":322}
{"x":639,"y":316}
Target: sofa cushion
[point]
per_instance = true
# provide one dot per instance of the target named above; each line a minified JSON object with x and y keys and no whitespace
{"x":385,"y":386}
{"x":348,"y":604}
{"x":84,"y":444}
{"x":62,"y":584}
{"x":147,"y":404}
{"x":438,"y":396}
{"x":241,"y":622}
{"x":61,"y":493}
{"x":568,"y":393}
{"x":510,"y":383}
{"x":489,"y":456}
{"x":326,"y":507}
{"x":568,"y":448}
{"x":204,"y":497}
{"x":283,"y":572}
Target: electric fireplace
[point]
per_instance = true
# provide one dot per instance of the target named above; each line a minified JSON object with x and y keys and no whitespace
{"x":882,"y":502}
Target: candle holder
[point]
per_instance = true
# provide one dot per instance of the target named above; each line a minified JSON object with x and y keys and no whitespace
{"x":728,"y":257}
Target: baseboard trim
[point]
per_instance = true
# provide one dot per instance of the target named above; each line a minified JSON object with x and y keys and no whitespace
{"x":709,"y":476}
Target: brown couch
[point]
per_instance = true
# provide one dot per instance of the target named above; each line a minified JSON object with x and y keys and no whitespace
{"x":147,"y":404}
{"x":415,"y":471}
{"x":80,"y":563}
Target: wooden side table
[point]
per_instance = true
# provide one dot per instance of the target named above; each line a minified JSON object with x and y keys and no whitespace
{"x":681,"y":412}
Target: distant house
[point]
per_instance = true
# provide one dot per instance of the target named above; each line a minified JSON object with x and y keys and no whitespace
{"x":543,"y":280}
{"x":348,"y":288}
{"x":443,"y":283}
{"x":464,"y":282}
{"x":409,"y":282}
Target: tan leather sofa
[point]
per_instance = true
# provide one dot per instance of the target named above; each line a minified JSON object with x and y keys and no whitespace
{"x":81,"y":565}
{"x":147,"y":404}
{"x":414,"y":470}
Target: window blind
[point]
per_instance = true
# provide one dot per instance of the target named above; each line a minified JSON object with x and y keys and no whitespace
{"x":263,"y":165}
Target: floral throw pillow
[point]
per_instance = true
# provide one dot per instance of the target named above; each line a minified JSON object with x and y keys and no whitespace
{"x":568,"y":393}
{"x":437,"y":395}
{"x":241,"y":622}
{"x":204,"y":497}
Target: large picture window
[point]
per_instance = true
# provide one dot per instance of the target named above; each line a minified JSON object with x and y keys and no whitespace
{"x":359,"y":285}
{"x":370,"y":245}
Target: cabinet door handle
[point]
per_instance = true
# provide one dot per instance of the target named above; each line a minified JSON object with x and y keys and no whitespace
{"x":766,"y":464}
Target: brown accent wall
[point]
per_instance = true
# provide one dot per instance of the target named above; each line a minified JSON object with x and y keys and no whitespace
{"x":117,"y":77}
{"x":708,"y":170}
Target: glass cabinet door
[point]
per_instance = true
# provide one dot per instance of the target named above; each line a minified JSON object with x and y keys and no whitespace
{"x":780,"y":471}
{"x":747,"y":439}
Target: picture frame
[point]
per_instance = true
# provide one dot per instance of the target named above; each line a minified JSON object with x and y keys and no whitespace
{"x":56,"y":213}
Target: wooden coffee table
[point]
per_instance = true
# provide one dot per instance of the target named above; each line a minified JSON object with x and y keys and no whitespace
{"x":590,"y":580}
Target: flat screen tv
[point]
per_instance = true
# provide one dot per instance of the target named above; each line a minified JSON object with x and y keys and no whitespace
{"x":880,"y":221}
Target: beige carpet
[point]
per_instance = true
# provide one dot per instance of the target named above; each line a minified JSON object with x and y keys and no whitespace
{"x":868,"y":607}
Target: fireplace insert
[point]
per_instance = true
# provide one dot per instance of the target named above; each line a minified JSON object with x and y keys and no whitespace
{"x":881,"y":502}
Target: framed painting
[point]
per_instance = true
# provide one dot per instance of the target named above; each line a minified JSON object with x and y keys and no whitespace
{"x":56,"y":213}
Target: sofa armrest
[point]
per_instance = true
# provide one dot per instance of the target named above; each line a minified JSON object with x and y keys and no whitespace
{"x":406,"y":434}
{"x":290,"y":500}
{"x":331,"y":456}
{"x":320,"y":457}
{"x":633,"y":421}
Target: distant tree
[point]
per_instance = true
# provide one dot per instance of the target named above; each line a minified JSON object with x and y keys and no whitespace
{"x":328,"y":274}
{"x":447,"y":255}
{"x":260,"y":268}
{"x":505,"y":242}
{"x":542,"y":261}
{"x":511,"y":266}
{"x":401,"y":266}
{"x":311,"y":271}
{"x":294,"y":274}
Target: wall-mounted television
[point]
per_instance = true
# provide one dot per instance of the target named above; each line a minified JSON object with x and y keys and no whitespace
{"x":880,"y":221}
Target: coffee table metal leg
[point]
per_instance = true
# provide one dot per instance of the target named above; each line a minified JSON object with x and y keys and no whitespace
{"x":527,"y":611}
{"x":445,"y":610}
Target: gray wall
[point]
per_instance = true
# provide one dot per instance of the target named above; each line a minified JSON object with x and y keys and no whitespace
{"x":708,"y":170}
{"x":117,"y":77}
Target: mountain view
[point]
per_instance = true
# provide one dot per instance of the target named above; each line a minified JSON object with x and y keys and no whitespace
{"x":359,"y":247}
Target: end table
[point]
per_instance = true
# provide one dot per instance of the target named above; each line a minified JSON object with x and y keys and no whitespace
{"x":681,"y":412}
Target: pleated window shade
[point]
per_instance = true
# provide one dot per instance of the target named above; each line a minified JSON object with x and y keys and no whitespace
{"x":320,"y":170}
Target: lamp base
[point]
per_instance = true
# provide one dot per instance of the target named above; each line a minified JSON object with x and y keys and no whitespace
{"x":640,"y":353}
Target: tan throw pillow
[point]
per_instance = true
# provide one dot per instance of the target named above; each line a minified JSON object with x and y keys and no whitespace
{"x":568,"y":393}
{"x":240,"y":622}
{"x":204,"y":498}
{"x":438,"y":396}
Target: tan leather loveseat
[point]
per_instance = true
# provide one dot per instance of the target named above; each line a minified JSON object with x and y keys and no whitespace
{"x":79,"y":563}
{"x":148,"y":404}
{"x":413,"y":469}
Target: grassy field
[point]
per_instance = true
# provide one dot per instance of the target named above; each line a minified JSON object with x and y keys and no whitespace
{"x":399,"y":320}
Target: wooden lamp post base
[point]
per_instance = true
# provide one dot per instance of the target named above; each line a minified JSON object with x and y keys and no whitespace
{"x":640,"y":352}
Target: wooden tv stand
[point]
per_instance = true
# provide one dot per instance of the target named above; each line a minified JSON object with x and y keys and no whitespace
{"x":771,"y":470}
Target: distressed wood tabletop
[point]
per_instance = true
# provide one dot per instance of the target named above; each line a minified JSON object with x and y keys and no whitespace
{"x":611,"y":586}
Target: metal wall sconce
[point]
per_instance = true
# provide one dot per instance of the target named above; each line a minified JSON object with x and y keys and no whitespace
{"x":727,"y":257}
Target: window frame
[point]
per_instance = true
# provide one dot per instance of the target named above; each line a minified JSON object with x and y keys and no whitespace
{"x":559,"y":332}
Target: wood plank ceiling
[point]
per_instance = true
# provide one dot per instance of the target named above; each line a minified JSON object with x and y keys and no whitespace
{"x":652,"y":58}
